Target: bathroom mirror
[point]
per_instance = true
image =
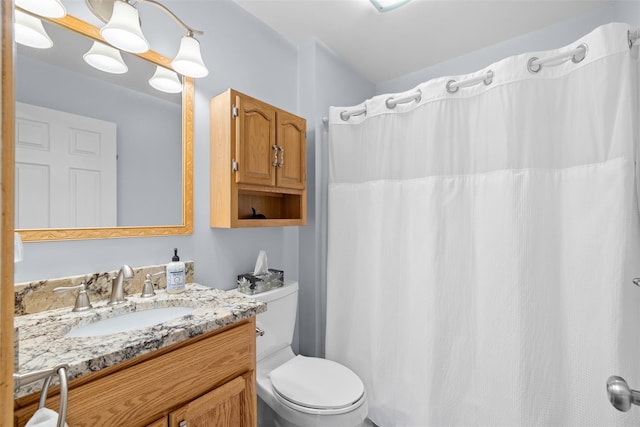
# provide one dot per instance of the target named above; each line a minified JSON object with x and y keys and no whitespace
{"x":151,"y":187}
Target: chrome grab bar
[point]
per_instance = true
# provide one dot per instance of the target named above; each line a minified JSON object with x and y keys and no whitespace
{"x":620,"y":395}
{"x":47,"y":374}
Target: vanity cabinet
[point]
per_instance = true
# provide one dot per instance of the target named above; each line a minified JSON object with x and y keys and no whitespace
{"x":221,"y":407}
{"x":208,"y":380}
{"x":258,"y":163}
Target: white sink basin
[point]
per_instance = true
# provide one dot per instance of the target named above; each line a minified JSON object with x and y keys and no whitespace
{"x":128,"y":322}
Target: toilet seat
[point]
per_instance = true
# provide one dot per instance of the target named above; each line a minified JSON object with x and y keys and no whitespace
{"x":317,"y":386}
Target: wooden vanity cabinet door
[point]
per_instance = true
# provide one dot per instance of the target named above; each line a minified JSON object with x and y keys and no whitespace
{"x":223,"y":407}
{"x":255,"y":139}
{"x":291,"y":141}
{"x":162,"y":422}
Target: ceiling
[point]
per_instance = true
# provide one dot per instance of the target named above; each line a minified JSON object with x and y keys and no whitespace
{"x":383,"y":46}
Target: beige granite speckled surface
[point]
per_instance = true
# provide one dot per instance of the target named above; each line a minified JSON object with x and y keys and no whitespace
{"x":43,"y":345}
{"x":37,"y":296}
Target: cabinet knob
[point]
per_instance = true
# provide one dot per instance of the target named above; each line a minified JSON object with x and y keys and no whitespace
{"x":275,"y":155}
{"x":182,"y":423}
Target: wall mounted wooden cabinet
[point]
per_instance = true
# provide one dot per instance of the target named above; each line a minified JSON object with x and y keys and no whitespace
{"x":258,"y":164}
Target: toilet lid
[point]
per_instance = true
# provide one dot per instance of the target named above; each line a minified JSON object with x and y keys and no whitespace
{"x":317,"y":383}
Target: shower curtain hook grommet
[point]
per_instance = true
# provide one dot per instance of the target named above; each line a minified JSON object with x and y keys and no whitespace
{"x":345,"y":116}
{"x":489,"y":78}
{"x":632,"y":37}
{"x":577,"y":59}
{"x":390,"y":103}
{"x":451,"y":88}
{"x":532,"y":67}
{"x":419,"y":97}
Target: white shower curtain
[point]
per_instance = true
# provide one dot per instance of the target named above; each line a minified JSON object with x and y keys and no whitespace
{"x":481,"y":244}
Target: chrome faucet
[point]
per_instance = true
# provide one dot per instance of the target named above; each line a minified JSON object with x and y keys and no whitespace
{"x":117,"y":288}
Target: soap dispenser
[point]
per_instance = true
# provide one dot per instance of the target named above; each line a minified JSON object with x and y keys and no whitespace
{"x":175,"y":274}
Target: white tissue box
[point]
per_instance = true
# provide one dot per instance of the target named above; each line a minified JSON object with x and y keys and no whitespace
{"x":250,"y":284}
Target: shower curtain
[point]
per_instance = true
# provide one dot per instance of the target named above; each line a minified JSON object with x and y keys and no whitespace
{"x":482,"y":242}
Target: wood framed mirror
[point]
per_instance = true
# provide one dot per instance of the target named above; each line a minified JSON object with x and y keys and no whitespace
{"x":142,"y":216}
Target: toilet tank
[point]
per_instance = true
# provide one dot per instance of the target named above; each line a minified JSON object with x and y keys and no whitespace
{"x":278,"y":322}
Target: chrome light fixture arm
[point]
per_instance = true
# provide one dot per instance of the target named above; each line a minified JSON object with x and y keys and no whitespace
{"x":104,"y":8}
{"x":190,"y":31}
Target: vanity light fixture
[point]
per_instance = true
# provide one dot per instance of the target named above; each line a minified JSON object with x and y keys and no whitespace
{"x":123,"y":29}
{"x":124,"y":32}
{"x":165,"y":80}
{"x":105,"y":58}
{"x":30,"y":32}
{"x":188,"y":61}
{"x":48,"y":8}
{"x":387,"y":5}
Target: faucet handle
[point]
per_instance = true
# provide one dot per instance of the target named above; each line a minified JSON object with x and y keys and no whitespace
{"x":82,"y":300}
{"x":147,"y":288}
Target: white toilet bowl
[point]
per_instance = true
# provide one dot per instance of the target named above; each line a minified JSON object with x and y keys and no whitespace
{"x":302,"y":391}
{"x":310,"y":392}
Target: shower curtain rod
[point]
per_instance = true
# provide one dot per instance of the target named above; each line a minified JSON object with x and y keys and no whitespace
{"x":534,"y":65}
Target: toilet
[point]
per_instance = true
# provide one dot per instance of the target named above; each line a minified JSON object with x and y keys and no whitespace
{"x":301,"y":391}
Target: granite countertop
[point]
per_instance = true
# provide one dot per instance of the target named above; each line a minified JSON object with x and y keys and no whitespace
{"x":42,"y":344}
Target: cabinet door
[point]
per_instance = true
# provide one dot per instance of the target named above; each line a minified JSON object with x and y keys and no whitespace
{"x":222,"y":407}
{"x":292,"y":156}
{"x":255,"y":141}
{"x":162,"y":422}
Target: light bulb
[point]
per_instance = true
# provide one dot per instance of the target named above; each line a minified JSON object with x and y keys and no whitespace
{"x":165,"y":80}
{"x":30,"y":32}
{"x":48,"y":8}
{"x":105,"y":58}
{"x":123,"y":29}
{"x":188,"y":61}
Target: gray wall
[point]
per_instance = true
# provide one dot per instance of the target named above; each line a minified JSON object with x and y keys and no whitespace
{"x":627,"y":11}
{"x":324,"y":80}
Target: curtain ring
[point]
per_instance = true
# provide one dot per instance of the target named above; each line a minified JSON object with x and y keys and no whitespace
{"x":451,"y":88}
{"x":390,"y":103}
{"x":577,"y":58}
{"x":489,"y":79}
{"x":532,"y":67}
{"x":345,"y":116}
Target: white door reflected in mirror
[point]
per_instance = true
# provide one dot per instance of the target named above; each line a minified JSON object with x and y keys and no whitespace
{"x":65,"y":170}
